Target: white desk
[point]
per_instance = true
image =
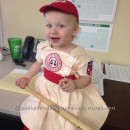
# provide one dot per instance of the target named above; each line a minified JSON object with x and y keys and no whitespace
{"x":10,"y":101}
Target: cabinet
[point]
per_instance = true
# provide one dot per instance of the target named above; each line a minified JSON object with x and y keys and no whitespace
{"x":10,"y":122}
{"x":117,"y":97}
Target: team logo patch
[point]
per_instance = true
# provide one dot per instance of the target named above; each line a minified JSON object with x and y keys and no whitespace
{"x":89,"y":68}
{"x":53,"y":62}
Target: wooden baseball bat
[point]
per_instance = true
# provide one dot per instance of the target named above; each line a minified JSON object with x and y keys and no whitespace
{"x":61,"y":111}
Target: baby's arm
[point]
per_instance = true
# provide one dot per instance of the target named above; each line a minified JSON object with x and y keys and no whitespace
{"x":24,"y":81}
{"x":69,"y":85}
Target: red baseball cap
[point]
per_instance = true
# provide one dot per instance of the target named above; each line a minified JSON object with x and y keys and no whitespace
{"x":63,"y":5}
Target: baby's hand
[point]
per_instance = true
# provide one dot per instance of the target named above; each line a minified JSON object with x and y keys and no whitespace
{"x":22,"y":82}
{"x":67,"y":85}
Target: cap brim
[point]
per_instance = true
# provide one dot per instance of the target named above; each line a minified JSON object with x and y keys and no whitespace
{"x":43,"y":9}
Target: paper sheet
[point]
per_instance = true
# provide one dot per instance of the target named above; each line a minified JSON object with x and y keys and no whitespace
{"x":8,"y":83}
{"x":117,"y":72}
{"x":96,"y":10}
{"x":95,"y":37}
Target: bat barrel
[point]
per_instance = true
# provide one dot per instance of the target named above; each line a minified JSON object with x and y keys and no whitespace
{"x":64,"y":113}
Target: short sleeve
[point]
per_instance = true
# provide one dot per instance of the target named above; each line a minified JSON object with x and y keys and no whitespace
{"x":38,"y":57}
{"x":40,"y":48}
{"x":85,"y":65}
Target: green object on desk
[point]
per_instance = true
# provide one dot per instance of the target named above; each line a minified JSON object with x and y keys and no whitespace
{"x":15,"y":47}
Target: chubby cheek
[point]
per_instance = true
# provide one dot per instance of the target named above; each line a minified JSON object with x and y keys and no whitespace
{"x":67,"y":35}
{"x":46,"y":33}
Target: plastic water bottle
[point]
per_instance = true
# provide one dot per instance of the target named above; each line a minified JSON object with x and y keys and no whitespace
{"x":1,"y":55}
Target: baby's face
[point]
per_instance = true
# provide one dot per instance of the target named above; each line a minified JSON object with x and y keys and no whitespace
{"x":60,"y":28}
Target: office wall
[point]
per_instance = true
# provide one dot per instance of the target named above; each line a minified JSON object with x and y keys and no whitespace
{"x":1,"y":32}
{"x":21,"y":18}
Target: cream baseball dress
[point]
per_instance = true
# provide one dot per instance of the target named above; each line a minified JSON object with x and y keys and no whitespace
{"x":85,"y":103}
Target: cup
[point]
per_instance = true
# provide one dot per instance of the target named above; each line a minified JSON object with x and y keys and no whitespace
{"x":15,"y":47}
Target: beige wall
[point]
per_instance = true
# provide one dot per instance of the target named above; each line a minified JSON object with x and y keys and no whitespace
{"x":21,"y":18}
